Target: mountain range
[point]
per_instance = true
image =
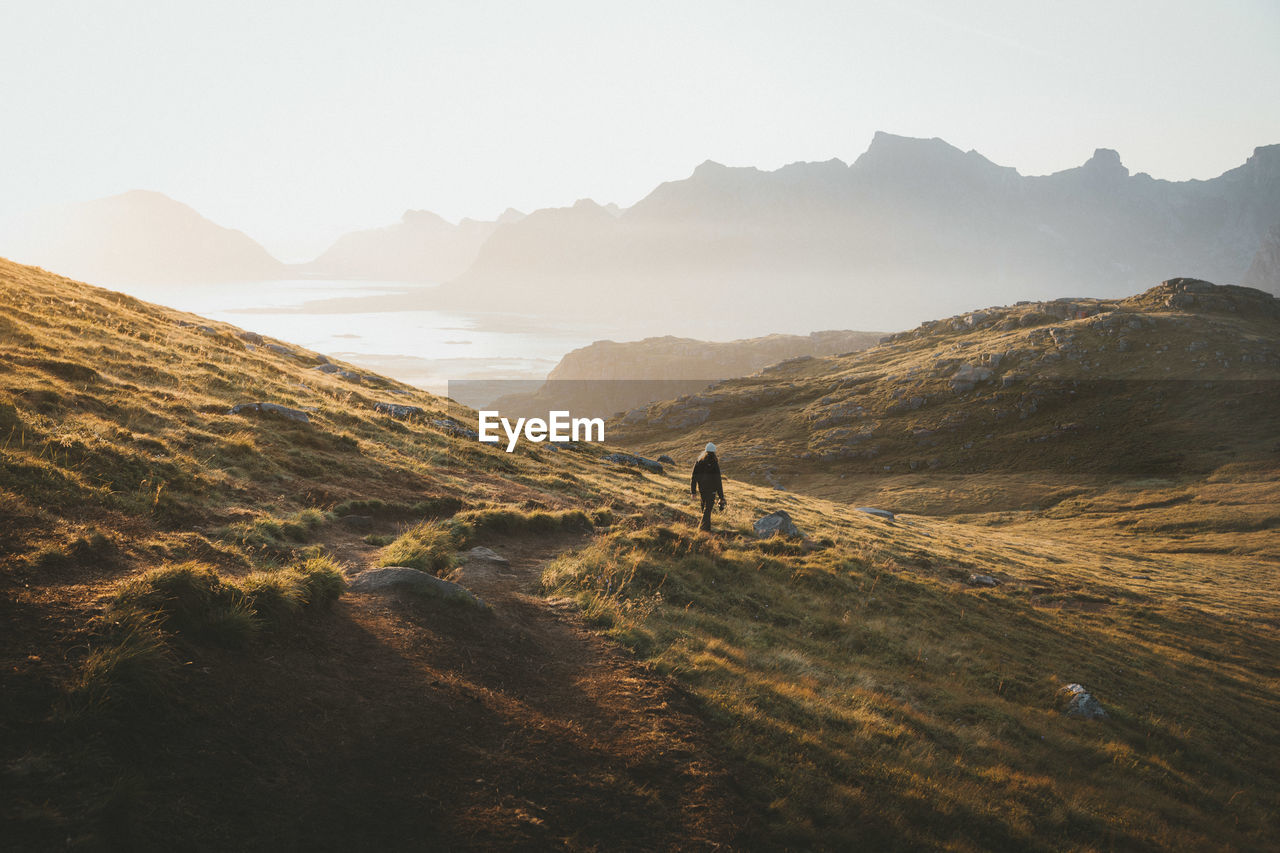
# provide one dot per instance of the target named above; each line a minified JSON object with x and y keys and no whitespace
{"x":912,"y":229}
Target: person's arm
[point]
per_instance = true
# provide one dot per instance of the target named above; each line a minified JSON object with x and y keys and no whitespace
{"x":693,"y":480}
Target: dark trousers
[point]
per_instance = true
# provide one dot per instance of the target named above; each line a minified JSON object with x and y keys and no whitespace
{"x":708,"y":501}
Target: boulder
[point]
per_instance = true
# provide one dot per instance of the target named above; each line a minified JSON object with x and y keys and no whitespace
{"x":633,"y":461}
{"x":252,"y":337}
{"x":394,"y":578}
{"x":276,"y":348}
{"x":882,"y":513}
{"x":967,"y":376}
{"x":327,"y":367}
{"x":270,"y":408}
{"x":1075,"y":701}
{"x":664,"y":459}
{"x":982,"y":580}
{"x":777,"y":524}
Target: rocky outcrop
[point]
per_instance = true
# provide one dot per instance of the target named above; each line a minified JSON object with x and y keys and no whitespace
{"x":452,"y":427}
{"x":270,"y":409}
{"x":631,"y":460}
{"x":396,"y":410}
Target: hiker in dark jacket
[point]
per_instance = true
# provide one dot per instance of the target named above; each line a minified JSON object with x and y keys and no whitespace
{"x":706,"y":478}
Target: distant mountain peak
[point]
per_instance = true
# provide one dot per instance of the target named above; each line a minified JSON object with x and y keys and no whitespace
{"x":1106,"y":161}
{"x":423,"y":217}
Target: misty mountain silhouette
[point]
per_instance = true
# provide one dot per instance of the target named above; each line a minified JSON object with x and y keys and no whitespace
{"x":421,"y":247}
{"x":138,"y":237}
{"x":914,"y":228}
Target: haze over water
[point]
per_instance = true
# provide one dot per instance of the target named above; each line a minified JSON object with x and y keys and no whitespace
{"x":371,"y":324}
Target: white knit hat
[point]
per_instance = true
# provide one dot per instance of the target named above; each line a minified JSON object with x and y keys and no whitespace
{"x":711,"y":448}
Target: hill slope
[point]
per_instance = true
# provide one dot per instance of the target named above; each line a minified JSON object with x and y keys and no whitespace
{"x":608,"y":377}
{"x":171,"y":675}
{"x":1151,"y":398}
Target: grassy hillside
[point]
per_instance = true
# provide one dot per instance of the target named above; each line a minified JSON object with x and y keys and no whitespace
{"x":182,"y":666}
{"x":1154,"y":415}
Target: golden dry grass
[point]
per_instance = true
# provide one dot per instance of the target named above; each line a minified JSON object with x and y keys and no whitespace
{"x":864,"y":692}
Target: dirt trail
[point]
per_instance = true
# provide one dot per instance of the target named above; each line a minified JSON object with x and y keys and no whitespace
{"x":401,"y":723}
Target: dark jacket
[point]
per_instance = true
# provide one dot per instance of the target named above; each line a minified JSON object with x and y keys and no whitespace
{"x":706,"y":476}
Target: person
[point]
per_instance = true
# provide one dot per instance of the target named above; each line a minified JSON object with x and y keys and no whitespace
{"x":706,"y":478}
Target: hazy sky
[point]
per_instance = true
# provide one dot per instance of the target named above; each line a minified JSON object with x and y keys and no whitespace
{"x":296,"y":120}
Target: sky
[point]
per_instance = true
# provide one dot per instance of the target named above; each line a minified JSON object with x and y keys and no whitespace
{"x":297,"y":121}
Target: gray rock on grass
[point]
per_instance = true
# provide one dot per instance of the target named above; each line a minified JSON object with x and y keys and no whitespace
{"x":396,"y":410}
{"x":777,"y":524}
{"x":881,"y":513}
{"x":633,"y":461}
{"x":393,"y":578}
{"x":1075,"y":701}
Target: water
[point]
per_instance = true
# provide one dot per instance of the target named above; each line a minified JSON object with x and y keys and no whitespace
{"x":386,"y":327}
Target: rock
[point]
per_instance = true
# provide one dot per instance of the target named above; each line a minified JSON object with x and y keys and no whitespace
{"x":362,"y":523}
{"x":322,"y":359}
{"x":666,"y":460}
{"x":452,"y":427}
{"x":327,"y":368}
{"x":252,"y":337}
{"x":481,"y":553}
{"x":270,"y":408}
{"x":276,"y":348}
{"x":1075,"y":701}
{"x":982,"y":580}
{"x":393,"y":578}
{"x":968,"y":376}
{"x":777,"y":524}
{"x":882,"y":513}
{"x":633,"y":461}
{"x":398,"y":411}
{"x":679,"y":418}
